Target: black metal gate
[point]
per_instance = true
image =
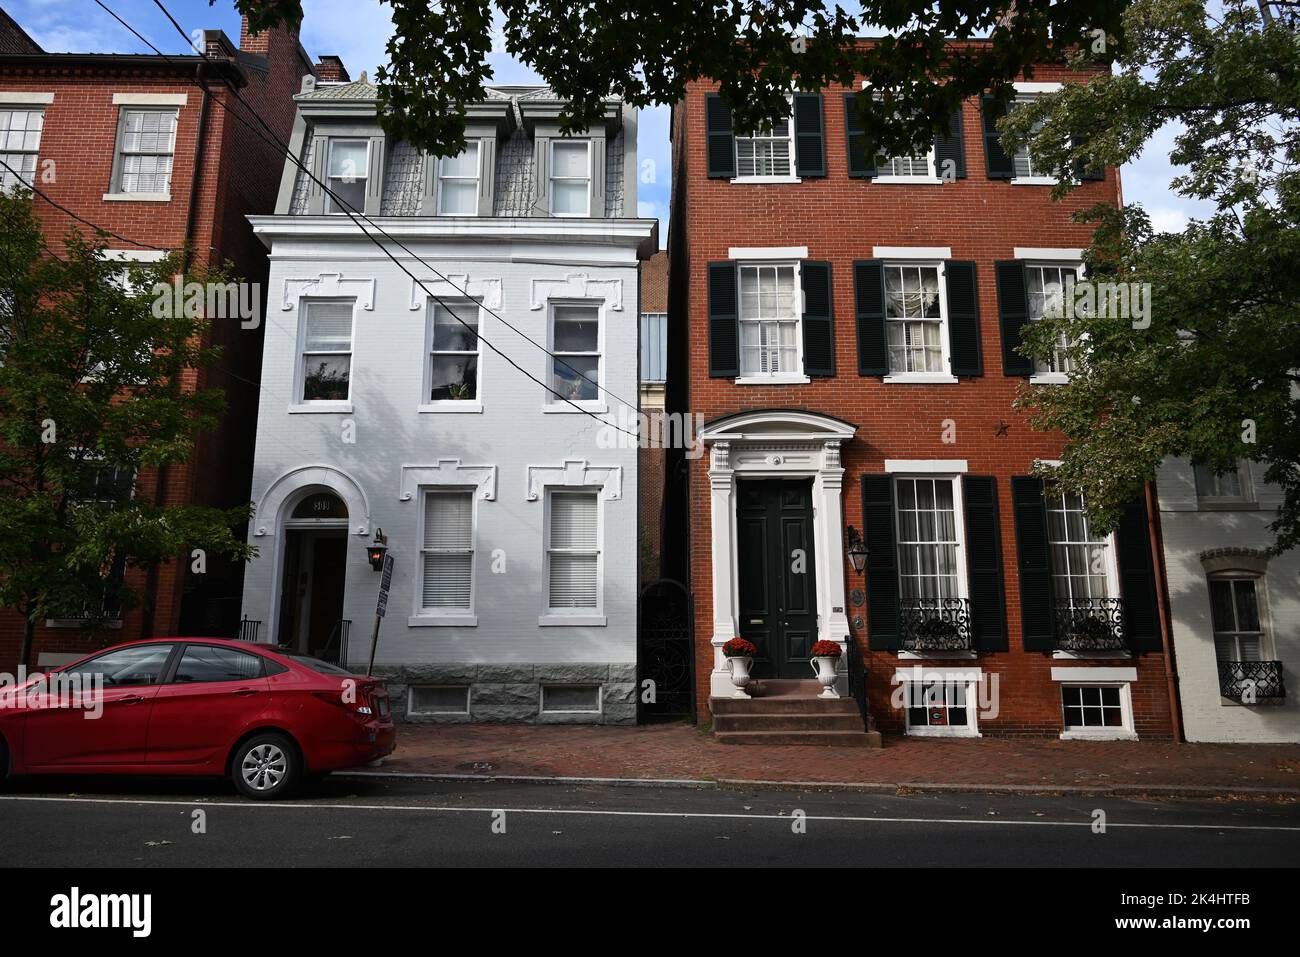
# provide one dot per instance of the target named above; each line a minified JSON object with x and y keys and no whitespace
{"x":666,"y":652}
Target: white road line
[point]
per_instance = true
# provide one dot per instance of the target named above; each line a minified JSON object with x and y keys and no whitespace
{"x":585,"y":812}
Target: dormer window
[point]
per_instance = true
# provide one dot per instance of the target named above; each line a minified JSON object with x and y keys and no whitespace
{"x":571,"y":178}
{"x":458,"y":183}
{"x":349,"y":162}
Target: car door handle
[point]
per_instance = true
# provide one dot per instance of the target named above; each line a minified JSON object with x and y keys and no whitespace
{"x":243,"y":692}
{"x":133,"y":699}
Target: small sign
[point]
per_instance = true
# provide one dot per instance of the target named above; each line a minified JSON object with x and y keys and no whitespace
{"x":382,"y":607}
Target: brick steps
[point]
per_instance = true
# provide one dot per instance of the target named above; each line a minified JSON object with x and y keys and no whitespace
{"x":793,"y":717}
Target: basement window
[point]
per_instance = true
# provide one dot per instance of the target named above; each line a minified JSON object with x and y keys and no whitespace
{"x":571,"y":699}
{"x":438,"y":699}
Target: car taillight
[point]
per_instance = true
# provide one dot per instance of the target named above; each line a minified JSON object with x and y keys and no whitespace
{"x":360,"y":706}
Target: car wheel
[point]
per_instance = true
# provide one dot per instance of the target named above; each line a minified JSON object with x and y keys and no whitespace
{"x":266,"y":767}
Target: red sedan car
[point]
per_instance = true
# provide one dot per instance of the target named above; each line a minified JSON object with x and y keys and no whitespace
{"x":265,"y":716}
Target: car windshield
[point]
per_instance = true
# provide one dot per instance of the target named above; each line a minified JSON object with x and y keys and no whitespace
{"x":315,"y":664}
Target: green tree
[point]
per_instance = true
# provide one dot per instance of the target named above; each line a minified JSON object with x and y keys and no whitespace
{"x":89,"y":399}
{"x":646,"y":51}
{"x":1215,"y":376}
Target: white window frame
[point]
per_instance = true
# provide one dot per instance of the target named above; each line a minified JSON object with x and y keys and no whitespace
{"x":945,"y":337}
{"x":573,"y":616}
{"x":462,"y":308}
{"x":1266,"y":648}
{"x":446,"y":617}
{"x":1042,"y":374}
{"x":970,"y":678}
{"x":477,"y":147}
{"x":554,"y":404}
{"x":1227,"y":502}
{"x":414,"y":712}
{"x":959,"y":519}
{"x":779,"y":378}
{"x":116,"y":191}
{"x":600,"y":698}
{"x":9,"y":105}
{"x":1112,"y":557}
{"x":551,"y":178}
{"x":1121,"y":678}
{"x":1027,"y":93}
{"x":790,"y":177}
{"x":297,"y":403}
{"x":328,"y":204}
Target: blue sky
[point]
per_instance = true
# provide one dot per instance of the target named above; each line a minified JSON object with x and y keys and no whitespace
{"x":357,"y":30}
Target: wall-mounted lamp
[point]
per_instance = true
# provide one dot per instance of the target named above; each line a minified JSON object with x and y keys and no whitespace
{"x":857,"y":550}
{"x":376,"y":549}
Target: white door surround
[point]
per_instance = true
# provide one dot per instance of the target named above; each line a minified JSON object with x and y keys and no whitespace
{"x":776,"y":443}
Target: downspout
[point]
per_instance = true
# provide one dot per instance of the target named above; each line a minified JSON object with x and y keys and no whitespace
{"x":191,"y":214}
{"x":1162,"y":597}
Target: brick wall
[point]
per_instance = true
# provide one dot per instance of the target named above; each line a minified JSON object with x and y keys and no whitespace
{"x":237,"y":174}
{"x":840,"y":220}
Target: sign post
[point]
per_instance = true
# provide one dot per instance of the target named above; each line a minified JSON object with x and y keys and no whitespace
{"x":381,"y":608}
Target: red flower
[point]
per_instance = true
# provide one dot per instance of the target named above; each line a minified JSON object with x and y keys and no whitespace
{"x":739,"y":648}
{"x":826,"y":649}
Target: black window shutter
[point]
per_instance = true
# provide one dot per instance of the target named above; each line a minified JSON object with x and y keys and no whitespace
{"x":721,"y":146}
{"x":818,"y":319}
{"x":869,"y":304}
{"x":1013,"y":315}
{"x":1033,"y":561}
{"x":988,"y":602}
{"x":1137,"y":578}
{"x":861,"y":166}
{"x":882,"y":566}
{"x":949,"y":151}
{"x":1086,"y":173}
{"x":724,"y":334}
{"x":996,"y":160}
{"x":809,"y":136}
{"x":963,"y":318}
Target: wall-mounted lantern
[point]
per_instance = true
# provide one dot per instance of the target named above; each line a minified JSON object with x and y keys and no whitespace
{"x":857,"y":550}
{"x":376,"y":549}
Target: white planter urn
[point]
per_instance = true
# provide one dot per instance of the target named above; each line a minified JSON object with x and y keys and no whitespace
{"x":739,"y":668}
{"x":824,"y":667}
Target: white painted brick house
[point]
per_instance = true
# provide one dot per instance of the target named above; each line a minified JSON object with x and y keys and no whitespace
{"x":1235,"y":609}
{"x":511,"y":518}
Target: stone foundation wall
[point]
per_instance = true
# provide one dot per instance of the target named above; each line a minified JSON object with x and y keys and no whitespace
{"x":513,"y":693}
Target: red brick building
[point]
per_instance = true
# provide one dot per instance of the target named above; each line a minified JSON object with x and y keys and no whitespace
{"x":152,"y":148}
{"x":848,"y":328}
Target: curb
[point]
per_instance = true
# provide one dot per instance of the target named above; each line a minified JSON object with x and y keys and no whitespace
{"x":1082,"y":790}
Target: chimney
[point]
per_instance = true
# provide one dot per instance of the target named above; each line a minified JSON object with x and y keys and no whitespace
{"x":253,"y":42}
{"x":217,"y":44}
{"x":330,"y":69}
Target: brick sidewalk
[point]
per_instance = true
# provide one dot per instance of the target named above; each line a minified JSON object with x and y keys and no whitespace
{"x":679,"y":751}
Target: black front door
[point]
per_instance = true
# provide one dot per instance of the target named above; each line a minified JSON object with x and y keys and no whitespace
{"x":778,"y":587}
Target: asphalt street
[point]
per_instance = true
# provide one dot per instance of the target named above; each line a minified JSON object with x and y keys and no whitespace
{"x":352,"y":822}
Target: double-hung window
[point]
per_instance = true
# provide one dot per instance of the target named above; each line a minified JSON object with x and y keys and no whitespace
{"x":146,"y":142}
{"x":575,"y":345}
{"x":1027,"y":168}
{"x":570,"y":178}
{"x":904,"y":168}
{"x":458,"y":183}
{"x":454,"y":352}
{"x":447,"y":552}
{"x":1081,"y":560}
{"x":326,"y":367}
{"x":928,"y":542}
{"x":1046,"y":286}
{"x":347,"y":169}
{"x":915,"y":318}
{"x":1226,"y":488}
{"x":20,"y":141}
{"x":770,"y":343}
{"x":766,"y":152}
{"x":1234,"y":609}
{"x":573,"y":552}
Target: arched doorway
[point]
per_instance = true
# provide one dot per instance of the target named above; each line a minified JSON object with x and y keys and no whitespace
{"x":314,"y":576}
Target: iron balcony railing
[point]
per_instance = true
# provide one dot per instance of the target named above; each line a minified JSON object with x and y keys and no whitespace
{"x":1251,"y":681}
{"x":248,"y":630}
{"x":935,"y":624}
{"x":1090,"y":624}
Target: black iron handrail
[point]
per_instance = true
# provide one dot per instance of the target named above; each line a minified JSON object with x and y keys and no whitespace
{"x":935,"y":624}
{"x":856,"y":673}
{"x":336,"y":651}
{"x":248,"y":630}
{"x":1249,"y":681}
{"x":1090,"y":624}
